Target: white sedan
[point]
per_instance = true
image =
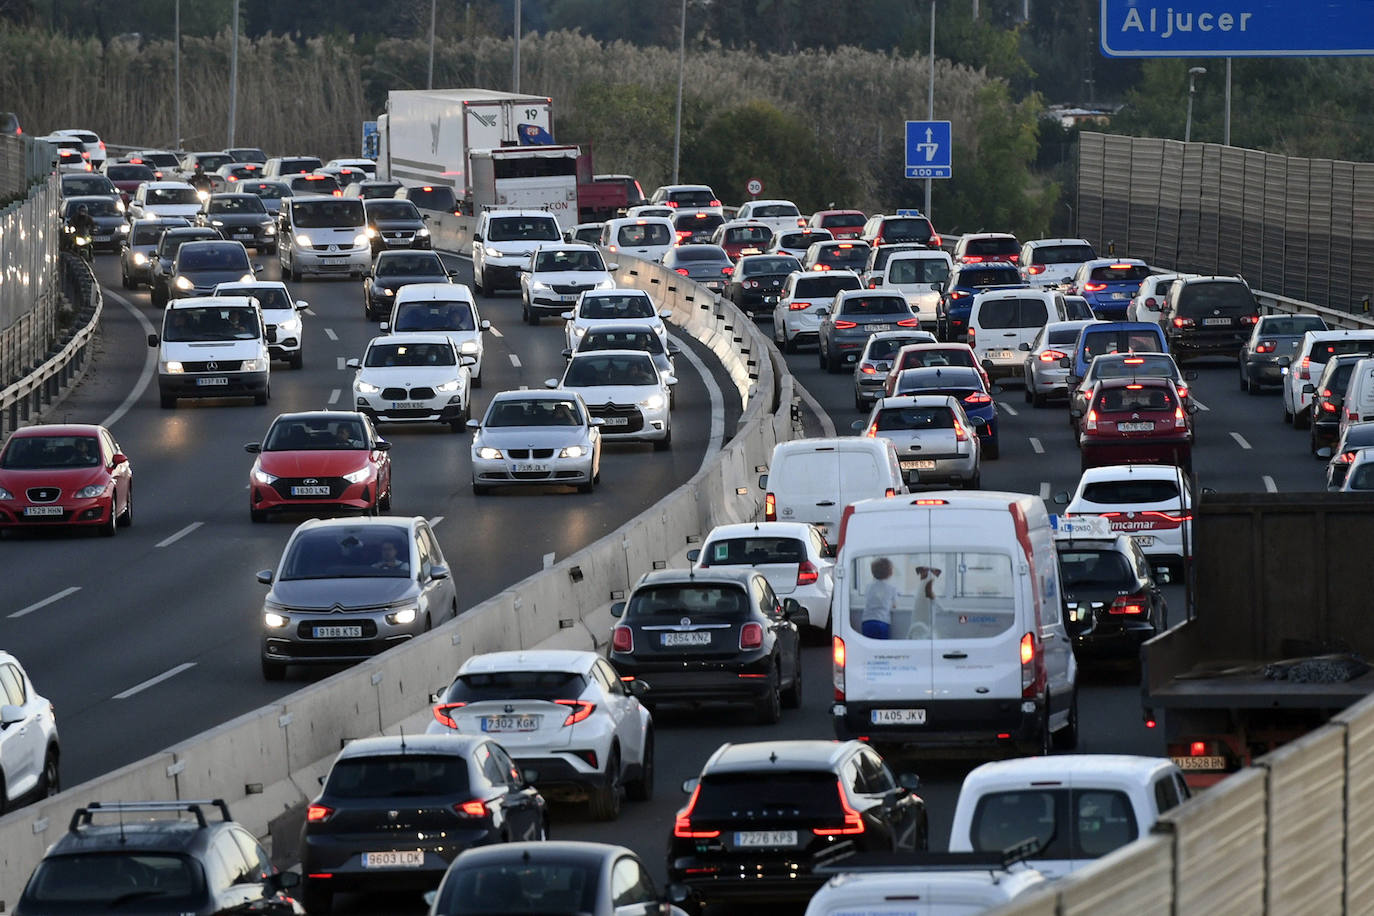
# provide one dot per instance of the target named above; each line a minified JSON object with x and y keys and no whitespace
{"x":604,"y":306}
{"x":625,"y":390}
{"x":536,"y":437}
{"x":793,"y":556}
{"x":1151,"y":503}
{"x":564,"y":714}
{"x":413,"y":378}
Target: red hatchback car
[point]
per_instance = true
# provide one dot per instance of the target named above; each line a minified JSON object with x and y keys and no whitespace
{"x":1137,"y":421}
{"x":317,"y":459}
{"x":65,"y":475}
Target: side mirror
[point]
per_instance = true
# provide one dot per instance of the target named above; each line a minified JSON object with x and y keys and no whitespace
{"x":934,"y":287}
{"x":382,"y":445}
{"x":485,"y":325}
{"x":253,"y":448}
{"x":567,"y":353}
{"x":474,"y":424}
{"x":1208,"y":491}
{"x":452,"y":274}
{"x":1061,"y":498}
{"x":152,"y":340}
{"x":598,"y":421}
{"x":666,"y":314}
{"x":425,"y":218}
{"x":566,"y":316}
{"x":438,"y":571}
{"x":693,"y":555}
{"x":612,"y":267}
{"x":690,"y":785}
{"x":822,"y":311}
{"x":1192,"y":408}
{"x":284,"y":880}
{"x":858,"y":425}
{"x":978,"y":422}
{"x":670,"y":379}
{"x":302,"y":305}
{"x":10,"y":715}
{"x":1162,"y":575}
{"x":353,"y":364}
{"x":385,"y":327}
{"x":1191,"y":375}
{"x":909,"y":781}
{"x":1309,"y":389}
{"x":795,"y":612}
{"x":265,"y":576}
{"x":467,"y":360}
{"x":257,"y":269}
{"x":763,"y":481}
{"x":618,"y":609}
{"x":1025,"y":347}
{"x":550,"y":383}
{"x":119,"y":458}
{"x":1324,"y":452}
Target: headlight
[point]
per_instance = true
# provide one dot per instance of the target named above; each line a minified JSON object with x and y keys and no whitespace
{"x":203,"y":195}
{"x":491,"y":252}
{"x":451,"y":385}
{"x":607,"y":283}
{"x":247,"y":278}
{"x":366,"y":387}
{"x":273,"y":620}
{"x":119,"y":205}
{"x":263,"y":477}
{"x":184,"y":283}
{"x":469,"y":346}
{"x":360,"y":240}
{"x":486,"y":453}
{"x":303,"y":240}
{"x":91,"y":492}
{"x":402,"y":616}
{"x":140,"y":258}
{"x":358,"y":476}
{"x":370,"y":232}
{"x":291,"y":324}
{"x":653,"y":402}
{"x":217,"y":222}
{"x":539,"y":284}
{"x":254,"y":365}
{"x":122,"y":228}
{"x":388,"y":291}
{"x":422,"y":232}
{"x":269,"y":229}
{"x":572,"y":451}
{"x":171,"y":367}
{"x":5,"y":494}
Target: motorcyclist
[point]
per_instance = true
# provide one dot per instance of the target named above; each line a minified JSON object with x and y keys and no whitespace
{"x":202,"y":182}
{"x":81,"y":222}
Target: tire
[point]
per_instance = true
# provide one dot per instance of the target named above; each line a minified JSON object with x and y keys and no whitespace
{"x":1044,"y":741}
{"x":1030,"y":398}
{"x":384,"y":501}
{"x":820,"y":356}
{"x":480,"y":489}
{"x":1287,"y":417}
{"x":662,"y":445}
{"x":257,"y":515}
{"x":50,"y":783}
{"x":604,"y":803}
{"x":1039,"y":400}
{"x":107,"y":529}
{"x":975,"y":482}
{"x":1302,"y":420}
{"x":641,"y":788}
{"x":297,"y":360}
{"x":126,"y":518}
{"x":792,"y":696}
{"x":1244,"y":383}
{"x":992,"y":450}
{"x":1066,"y":739}
{"x":261,"y":399}
{"x":1253,"y":387}
{"x":316,"y":899}
{"x":125,"y":281}
{"x":273,"y":671}
{"x":832,"y":364}
{"x":479,"y":280}
{"x":477,"y":381}
{"x":770,"y":710}
{"x":168,"y":401}
{"x":789,"y":344}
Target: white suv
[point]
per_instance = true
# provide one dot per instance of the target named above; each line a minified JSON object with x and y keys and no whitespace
{"x":557,"y":277}
{"x":566,"y":715}
{"x":502,"y":245}
{"x":28,"y":738}
{"x":1151,"y":503}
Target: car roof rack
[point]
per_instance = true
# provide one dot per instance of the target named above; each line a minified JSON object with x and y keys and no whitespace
{"x":932,"y":861}
{"x":83,"y":817}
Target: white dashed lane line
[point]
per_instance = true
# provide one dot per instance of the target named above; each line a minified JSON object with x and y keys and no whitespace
{"x":334,"y":396}
{"x":434,"y":522}
{"x":1036,"y":446}
{"x":341,"y":360}
{"x":1044,"y":489}
{"x":495,"y":332}
{"x":1003,"y":405}
{"x":154,"y":681}
{"x":329,"y":332}
{"x":51,"y":599}
{"x":1240,"y":440}
{"x":1269,"y":485}
{"x":168,"y":541}
{"x":515,"y":361}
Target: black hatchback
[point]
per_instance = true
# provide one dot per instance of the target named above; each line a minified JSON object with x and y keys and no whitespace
{"x":757,"y":281}
{"x":711,"y":636}
{"x":1111,"y":599}
{"x":762,"y":817}
{"x":396,"y":811}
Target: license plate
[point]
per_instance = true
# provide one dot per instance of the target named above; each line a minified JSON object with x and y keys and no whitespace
{"x":1144,"y":540}
{"x":568,"y":297}
{"x":770,"y":300}
{"x":877,"y":327}
{"x":42,"y":510}
{"x":407,"y":405}
{"x":897,"y":717}
{"x":766,"y":838}
{"x":999,"y":354}
{"x":1216,"y":321}
{"x":698,"y":638}
{"x":510,"y":723}
{"x":532,"y":468}
{"x":925,"y":464}
{"x":1200,"y":763}
{"x":309,"y":491}
{"x":243,"y":235}
{"x":212,"y":380}
{"x":404,"y":858}
{"x":1121,"y":295}
{"x":338,"y":632}
{"x":617,"y":421}
{"x":1136,"y":427}
{"x":101,"y":238}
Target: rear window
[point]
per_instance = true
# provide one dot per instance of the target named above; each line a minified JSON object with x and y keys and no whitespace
{"x":1291,"y":325}
{"x":298,"y":164}
{"x":693,"y":198}
{"x":698,"y":222}
{"x":1108,"y":492}
{"x":1012,"y":313}
{"x":1065,"y":336}
{"x":986,"y":247}
{"x":917,"y":270}
{"x":1322,"y":351}
{"x":521,"y":888}
{"x":702,"y":253}
{"x":887,"y":347}
{"x":938,"y":356}
{"x":753,"y":551}
{"x":1094,"y":568}
{"x":726,"y":796}
{"x":398,"y":777}
{"x":1062,"y":254}
{"x":842,"y":220}
{"x":720,"y":600}
{"x":1197,"y":299}
{"x":777,"y":210}
{"x":947,"y":594}
{"x":524,"y":685}
{"x":128,"y":173}
{"x":521,"y":228}
{"x":647,"y":234}
{"x":1069,"y":823}
{"x":854,"y":306}
{"x":823,"y":287}
{"x":1132,"y":398}
{"x":906,"y":230}
{"x":435,"y":198}
{"x":1120,"y":273}
{"x":978,"y":277}
{"x":801,"y":240}
{"x":86,"y":881}
{"x":916,"y":418}
{"x":759,"y":234}
{"x":845,"y":254}
{"x":1157,"y":366}
{"x":755,"y":266}
{"x":1095,"y":343}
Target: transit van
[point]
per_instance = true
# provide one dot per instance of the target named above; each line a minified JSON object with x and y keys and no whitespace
{"x":212,"y":347}
{"x":812,"y":480}
{"x":948,"y":626}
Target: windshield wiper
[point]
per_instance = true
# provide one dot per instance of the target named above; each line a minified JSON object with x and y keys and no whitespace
{"x":135,"y":895}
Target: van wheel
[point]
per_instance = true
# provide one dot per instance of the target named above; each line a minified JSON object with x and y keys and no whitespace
{"x":1066,"y":739}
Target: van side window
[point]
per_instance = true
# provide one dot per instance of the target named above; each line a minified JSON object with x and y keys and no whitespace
{"x":852,"y":776}
{"x":1166,"y":793}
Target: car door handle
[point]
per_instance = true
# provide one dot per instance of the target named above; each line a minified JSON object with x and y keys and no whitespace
{"x":955,"y":655}
{"x":826,"y":502}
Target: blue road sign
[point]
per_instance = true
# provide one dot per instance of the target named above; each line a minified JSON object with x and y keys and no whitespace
{"x":928,"y":150}
{"x":1243,"y":28}
{"x":371,"y":140}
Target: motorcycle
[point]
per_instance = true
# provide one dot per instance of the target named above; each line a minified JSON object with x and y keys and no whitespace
{"x":77,"y":243}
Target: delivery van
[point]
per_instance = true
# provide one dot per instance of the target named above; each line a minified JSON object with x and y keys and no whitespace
{"x":812,"y":480}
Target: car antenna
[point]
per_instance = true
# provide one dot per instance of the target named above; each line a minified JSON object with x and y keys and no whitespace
{"x":773,"y":757}
{"x":120,"y":808}
{"x":403,"y":738}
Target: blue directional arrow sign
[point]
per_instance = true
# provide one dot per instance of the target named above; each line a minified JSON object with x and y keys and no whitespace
{"x":928,"y":149}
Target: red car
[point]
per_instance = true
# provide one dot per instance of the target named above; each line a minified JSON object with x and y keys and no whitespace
{"x":1137,"y":421}
{"x":320,"y":458}
{"x":843,"y":224}
{"x":65,"y":475}
{"x":127,"y":176}
{"x":739,"y":239}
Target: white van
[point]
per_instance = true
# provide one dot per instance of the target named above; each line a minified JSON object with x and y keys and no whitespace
{"x":948,"y":623}
{"x":646,"y":237}
{"x":212,"y":347}
{"x":503,"y":242}
{"x":812,"y":480}
{"x":945,"y":888}
{"x":1004,"y":322}
{"x":1358,"y":404}
{"x":1079,"y":807}
{"x":919,"y":275}
{"x":441,"y":309}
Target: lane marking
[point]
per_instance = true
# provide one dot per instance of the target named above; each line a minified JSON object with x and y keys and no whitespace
{"x":548,"y":560}
{"x":1044,"y":489}
{"x":524,"y":387}
{"x":149,"y":361}
{"x":329,"y":332}
{"x":1036,"y":446}
{"x":495,"y":331}
{"x":1200,"y":405}
{"x":342,"y":360}
{"x":717,"y":435}
{"x":1269,"y":485}
{"x":154,"y":681}
{"x":1011,"y":411}
{"x":334,"y":395}
{"x":515,"y":361}
{"x":311,"y":312}
{"x":51,"y":599}
{"x":434,"y":522}
{"x":1240,"y":440}
{"x":179,"y":535}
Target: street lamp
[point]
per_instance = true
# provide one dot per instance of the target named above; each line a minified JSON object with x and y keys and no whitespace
{"x":1193,"y":74}
{"x":930,"y":94}
{"x":681,"y":72}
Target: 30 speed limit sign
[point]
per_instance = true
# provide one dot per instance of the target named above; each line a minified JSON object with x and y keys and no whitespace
{"x":754,"y":187}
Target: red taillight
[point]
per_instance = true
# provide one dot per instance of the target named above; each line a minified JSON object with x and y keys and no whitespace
{"x":670,"y":203}
{"x":581,"y":709}
{"x":1197,"y":749}
{"x":1328,"y":407}
{"x":1033,"y":673}
{"x":1094,"y":287}
{"x":1035,"y":270}
{"x":770,"y":507}
{"x":909,"y":323}
{"x":971,"y":259}
{"x":101,"y":144}
{"x":681,"y":270}
{"x":751,"y":636}
{"x":1183,"y":322}
{"x":728,"y":271}
{"x":936,"y":241}
{"x":842,"y":325}
{"x":443,"y":714}
{"x":1129,"y":605}
{"x":232,"y":178}
{"x":972,"y":336}
{"x":960,"y":434}
{"x":958,"y":294}
{"x":1249,"y":319}
{"x":795,"y":306}
{"x":317,"y":813}
{"x":1266,"y":346}
{"x":1303,"y":370}
{"x":837,"y":654}
{"x":1052,"y":356}
{"x":853,"y":820}
{"x":1183,"y":391}
{"x":872,"y":284}
{"x":807,"y":573}
{"x":889,"y":493}
{"x":1345,"y":458}
{"x":868,"y":370}
{"x":623,"y":639}
{"x":427,"y":188}
{"x":714,"y":203}
{"x":474,"y":808}
{"x":682,"y":824}
{"x":683,"y":236}
{"x":977,"y":397}
{"x":1180,"y":420}
{"x":872,"y":431}
{"x":1014,"y":258}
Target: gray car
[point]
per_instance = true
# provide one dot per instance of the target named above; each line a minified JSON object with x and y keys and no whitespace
{"x":140,"y":245}
{"x":873,"y":365}
{"x":856,"y":315}
{"x":1274,"y":338}
{"x":349,"y":588}
{"x":201,"y":266}
{"x":709,"y":265}
{"x":536,"y":437}
{"x":936,"y":442}
{"x":1045,"y":378}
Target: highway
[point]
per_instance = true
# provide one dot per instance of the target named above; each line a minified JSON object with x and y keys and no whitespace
{"x":149,"y":638}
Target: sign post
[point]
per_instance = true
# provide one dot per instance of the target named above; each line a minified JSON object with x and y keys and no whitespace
{"x":754,"y":187}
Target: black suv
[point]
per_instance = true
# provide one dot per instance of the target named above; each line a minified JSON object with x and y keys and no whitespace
{"x":757,"y":281}
{"x":133,"y":862}
{"x":1112,"y":602}
{"x":711,"y":636}
{"x":763,"y":817}
{"x":1209,"y":316}
{"x":1328,"y":399}
{"x":163,"y":259}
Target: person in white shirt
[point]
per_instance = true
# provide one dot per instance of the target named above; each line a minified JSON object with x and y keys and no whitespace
{"x":879,"y":601}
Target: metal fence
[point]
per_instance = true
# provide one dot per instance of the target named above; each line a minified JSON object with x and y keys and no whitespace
{"x":1303,"y":228}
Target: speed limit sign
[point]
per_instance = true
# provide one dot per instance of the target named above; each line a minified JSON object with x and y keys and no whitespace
{"x":754,"y":187}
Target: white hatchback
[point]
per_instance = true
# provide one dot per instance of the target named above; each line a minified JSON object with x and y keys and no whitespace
{"x":413,"y":378}
{"x":625,"y":390}
{"x":1151,"y":503}
{"x":794,"y":557}
{"x":796,"y":317}
{"x":598,"y":307}
{"x":28,"y":738}
{"x":646,"y":237}
{"x":442,"y":310}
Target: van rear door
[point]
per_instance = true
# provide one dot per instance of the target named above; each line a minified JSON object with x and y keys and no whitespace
{"x":974,"y":593}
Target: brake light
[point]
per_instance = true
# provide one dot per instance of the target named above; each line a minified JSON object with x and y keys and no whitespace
{"x":1249,"y":319}
{"x":1129,"y":605}
{"x":683,"y":236}
{"x":936,"y":241}
{"x":1266,"y":346}
{"x":1197,"y":749}
{"x":427,"y":188}
{"x":751,"y":636}
{"x":872,"y":431}
{"x":474,"y":808}
{"x":232,"y":178}
{"x":714,"y":203}
{"x":670,"y":203}
{"x":872,"y":284}
{"x":960,"y":434}
{"x":681,"y":270}
{"x":1094,"y":287}
{"x":957,"y":294}
{"x":581,"y":709}
{"x":978,"y":397}
{"x":1183,"y":322}
{"x":1345,"y":458}
{"x":1183,"y":391}
{"x":1014,"y":258}
{"x":770,"y":507}
{"x":795,"y":306}
{"x":807,"y":573}
{"x":1134,"y":387}
{"x":1328,"y":407}
{"x":1090,"y":421}
{"x":316,"y":814}
{"x":842,"y":325}
{"x":1303,"y":372}
{"x":1033,"y":675}
{"x":1134,"y":361}
{"x":868,"y":370}
{"x":682,"y":824}
{"x":972,"y":336}
{"x":853,"y":820}
{"x":909,"y":323}
{"x":101,"y":144}
{"x":972,"y":259}
{"x":1052,"y":356}
{"x":1035,"y":270}
{"x":623,"y":639}
{"x":728,"y":271}
{"x":1180,"y":419}
{"x":837,"y":654}
{"x":443,"y":714}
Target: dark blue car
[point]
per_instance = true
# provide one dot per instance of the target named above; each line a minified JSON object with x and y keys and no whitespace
{"x":959,"y":382}
{"x":1114,"y":337}
{"x":1109,"y":284}
{"x":965,"y":281}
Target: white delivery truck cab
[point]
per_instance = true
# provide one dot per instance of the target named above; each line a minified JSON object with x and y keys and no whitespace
{"x":948,"y":626}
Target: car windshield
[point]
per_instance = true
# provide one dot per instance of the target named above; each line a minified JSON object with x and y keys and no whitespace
{"x":435,"y":315}
{"x":646,"y":340}
{"x":1078,"y":567}
{"x":103,"y":881}
{"x":1120,"y":273}
{"x":35,"y":452}
{"x":85,"y":184}
{"x":753,"y":267}
{"x":520,"y":888}
{"x":401,"y":776}
{"x":172,"y":196}
{"x":516,"y":685}
{"x":533,"y":412}
{"x":645,"y":234}
{"x":523,"y":229}
{"x":386,"y":355}
{"x":887,"y":347}
{"x":211,"y":322}
{"x":327,"y":214}
{"x":1004,"y":247}
{"x":864,"y":306}
{"x":823,"y":287}
{"x":1120,"y":340}
{"x":700,"y":600}
{"x":98,"y":206}
{"x":753,"y":551}
{"x":697,"y":198}
{"x":915,"y":418}
{"x":1068,"y":823}
{"x":129,"y":173}
{"x":1062,"y":254}
{"x":979,"y":277}
{"x":1146,"y":366}
{"x":938,"y":356}
{"x":238,"y":203}
{"x":946,"y":594}
{"x":408,"y":264}
{"x":917,"y":270}
{"x":593,"y":371}
{"x":630,"y":305}
{"x":357,"y":552}
{"x":392,"y":209}
{"x":172,"y":241}
{"x":297,"y":434}
{"x":777,"y":210}
{"x":270,"y":298}
{"x":568,"y":260}
{"x":1224,"y":296}
{"x":213,"y":256}
{"x":1129,"y":491}
{"x":1290,"y":325}
{"x":1134,"y":398}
